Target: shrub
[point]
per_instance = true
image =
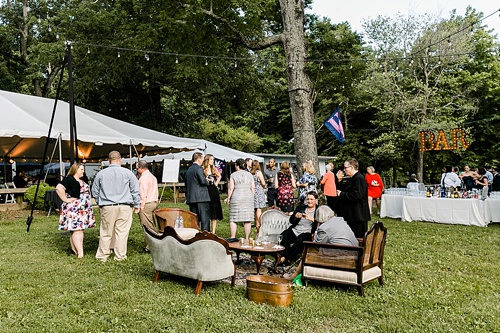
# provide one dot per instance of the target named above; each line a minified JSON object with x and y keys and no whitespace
{"x":40,"y":198}
{"x":167,"y":195}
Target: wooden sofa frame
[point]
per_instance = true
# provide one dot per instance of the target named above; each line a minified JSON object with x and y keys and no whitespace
{"x":351,"y":265}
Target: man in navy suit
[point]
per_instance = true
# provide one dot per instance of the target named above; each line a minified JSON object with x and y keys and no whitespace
{"x":197,"y":196}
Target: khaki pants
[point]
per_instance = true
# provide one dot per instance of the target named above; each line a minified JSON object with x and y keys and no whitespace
{"x":115,"y":224}
{"x":146,"y":216}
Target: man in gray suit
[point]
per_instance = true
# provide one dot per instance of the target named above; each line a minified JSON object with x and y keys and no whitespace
{"x":197,"y":196}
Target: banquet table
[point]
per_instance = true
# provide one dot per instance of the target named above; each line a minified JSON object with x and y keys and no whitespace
{"x":444,"y":210}
{"x":493,"y":206}
{"x":52,"y":200}
{"x":392,"y":206}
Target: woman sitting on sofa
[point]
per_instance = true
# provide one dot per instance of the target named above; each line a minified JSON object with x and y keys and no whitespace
{"x":302,"y":228}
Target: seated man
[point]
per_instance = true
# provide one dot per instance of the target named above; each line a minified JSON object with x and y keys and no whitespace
{"x":331,"y":230}
{"x":302,"y":228}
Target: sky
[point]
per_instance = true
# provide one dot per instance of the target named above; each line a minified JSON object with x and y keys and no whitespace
{"x":355,"y":11}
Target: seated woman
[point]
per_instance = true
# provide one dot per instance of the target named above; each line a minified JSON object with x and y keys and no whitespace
{"x":331,"y":230}
{"x":302,"y":228}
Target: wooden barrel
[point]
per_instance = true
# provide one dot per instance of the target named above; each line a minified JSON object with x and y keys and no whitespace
{"x":270,"y":290}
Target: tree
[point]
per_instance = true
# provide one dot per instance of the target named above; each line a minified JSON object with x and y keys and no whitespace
{"x":417,"y":84}
{"x":240,"y":20}
{"x":36,"y":59}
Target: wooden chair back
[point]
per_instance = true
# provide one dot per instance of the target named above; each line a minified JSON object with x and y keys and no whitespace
{"x":166,"y":217}
{"x":373,"y":245}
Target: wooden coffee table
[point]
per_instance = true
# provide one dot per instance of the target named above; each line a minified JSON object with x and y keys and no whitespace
{"x":256,"y":252}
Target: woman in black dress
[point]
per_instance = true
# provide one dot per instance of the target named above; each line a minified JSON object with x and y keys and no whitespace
{"x":213,"y":176}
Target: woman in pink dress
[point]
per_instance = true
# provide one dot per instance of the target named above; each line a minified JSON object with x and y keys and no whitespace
{"x":375,"y":187}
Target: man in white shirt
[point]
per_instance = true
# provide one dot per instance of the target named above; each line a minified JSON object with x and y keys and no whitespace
{"x":449,"y":178}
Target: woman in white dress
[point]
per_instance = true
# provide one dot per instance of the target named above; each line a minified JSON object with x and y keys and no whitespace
{"x":240,"y":199}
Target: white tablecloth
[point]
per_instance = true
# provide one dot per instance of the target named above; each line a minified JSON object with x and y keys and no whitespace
{"x":493,"y":206}
{"x":444,"y":210}
{"x":392,"y":206}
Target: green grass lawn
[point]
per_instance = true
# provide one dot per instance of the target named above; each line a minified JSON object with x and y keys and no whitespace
{"x":438,"y":278}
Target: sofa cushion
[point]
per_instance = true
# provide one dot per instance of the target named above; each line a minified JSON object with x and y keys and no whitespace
{"x":340,"y":276}
{"x":186,"y":233}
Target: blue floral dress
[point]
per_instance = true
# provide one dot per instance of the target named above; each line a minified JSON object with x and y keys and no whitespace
{"x":259,"y":199}
{"x":309,"y":179}
{"x":78,"y":215}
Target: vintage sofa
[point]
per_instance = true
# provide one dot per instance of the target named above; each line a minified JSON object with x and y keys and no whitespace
{"x":351,"y":265}
{"x":200,"y":256}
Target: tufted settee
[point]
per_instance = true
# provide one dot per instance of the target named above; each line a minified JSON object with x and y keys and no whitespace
{"x":272,"y":223}
{"x":200,"y":256}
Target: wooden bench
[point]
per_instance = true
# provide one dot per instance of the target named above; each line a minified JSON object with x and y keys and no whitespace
{"x":17,"y":192}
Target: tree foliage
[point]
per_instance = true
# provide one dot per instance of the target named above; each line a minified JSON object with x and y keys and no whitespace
{"x":195,"y":68}
{"x":421,"y":84}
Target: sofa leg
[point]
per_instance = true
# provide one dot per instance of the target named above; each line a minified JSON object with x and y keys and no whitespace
{"x":233,"y":280}
{"x":197,"y":290}
{"x":360,"y":290}
{"x":381,"y":280}
{"x":156,"y":277}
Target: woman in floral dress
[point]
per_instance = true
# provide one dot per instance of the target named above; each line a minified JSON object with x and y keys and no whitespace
{"x":259,"y":198}
{"x":285,"y":183}
{"x":76,"y":209}
{"x":307,"y":182}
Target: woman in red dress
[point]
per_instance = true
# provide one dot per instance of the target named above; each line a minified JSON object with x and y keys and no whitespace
{"x":375,"y":187}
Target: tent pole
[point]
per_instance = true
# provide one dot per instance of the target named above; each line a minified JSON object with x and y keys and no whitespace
{"x":130,"y":155}
{"x":50,"y":161}
{"x":72,"y":121}
{"x":30,"y":218}
{"x":62,"y":168}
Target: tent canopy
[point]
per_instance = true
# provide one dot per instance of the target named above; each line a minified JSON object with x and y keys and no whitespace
{"x":26,"y":120}
{"x":219,"y":151}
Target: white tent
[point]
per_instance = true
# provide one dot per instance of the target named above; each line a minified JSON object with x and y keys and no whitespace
{"x":219,"y":151}
{"x":26,"y":119}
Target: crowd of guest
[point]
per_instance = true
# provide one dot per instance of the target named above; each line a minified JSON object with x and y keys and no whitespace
{"x":119,"y":193}
{"x":471,"y":178}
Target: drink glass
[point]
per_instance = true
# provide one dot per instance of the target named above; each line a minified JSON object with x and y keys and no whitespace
{"x":242,"y":241}
{"x":280,"y":238}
